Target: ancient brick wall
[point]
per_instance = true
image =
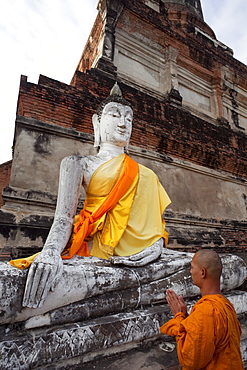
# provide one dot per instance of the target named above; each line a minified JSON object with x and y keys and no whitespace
{"x":92,"y":46}
{"x":196,"y":52}
{"x":157,"y":126}
{"x":52,"y":102}
{"x":5,"y":170}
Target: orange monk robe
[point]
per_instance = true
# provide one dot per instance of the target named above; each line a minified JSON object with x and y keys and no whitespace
{"x":209,"y":338}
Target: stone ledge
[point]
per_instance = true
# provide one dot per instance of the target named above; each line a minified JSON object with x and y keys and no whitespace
{"x":38,"y":125}
{"x":35,"y":348}
{"x":111,"y":342}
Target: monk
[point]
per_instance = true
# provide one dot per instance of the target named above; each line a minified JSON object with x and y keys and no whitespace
{"x":208,"y":338}
{"x":122,"y":216}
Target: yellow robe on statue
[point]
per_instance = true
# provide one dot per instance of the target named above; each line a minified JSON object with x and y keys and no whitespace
{"x":135,"y":222}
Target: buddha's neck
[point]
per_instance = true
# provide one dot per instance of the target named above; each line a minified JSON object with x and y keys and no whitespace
{"x":108,"y":149}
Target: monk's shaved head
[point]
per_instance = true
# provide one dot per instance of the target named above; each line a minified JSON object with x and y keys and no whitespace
{"x":210,"y":261}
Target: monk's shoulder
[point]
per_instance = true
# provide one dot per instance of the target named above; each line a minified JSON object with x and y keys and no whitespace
{"x":204,"y":306}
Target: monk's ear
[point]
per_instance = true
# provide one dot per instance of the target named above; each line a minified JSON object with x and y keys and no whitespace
{"x":96,"y":123}
{"x":203,"y":273}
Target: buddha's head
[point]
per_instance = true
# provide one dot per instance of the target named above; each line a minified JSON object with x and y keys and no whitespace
{"x":113,"y":120}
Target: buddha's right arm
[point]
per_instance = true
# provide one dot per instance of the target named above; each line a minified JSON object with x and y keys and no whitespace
{"x":47,"y":267}
{"x":70,"y":180}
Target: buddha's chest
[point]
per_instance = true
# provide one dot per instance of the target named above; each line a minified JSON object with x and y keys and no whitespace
{"x":90,"y":165}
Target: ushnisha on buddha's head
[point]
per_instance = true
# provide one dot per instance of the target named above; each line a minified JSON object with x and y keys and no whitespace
{"x":113,"y":120}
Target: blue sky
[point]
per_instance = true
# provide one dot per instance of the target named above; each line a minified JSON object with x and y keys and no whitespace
{"x":48,"y":36}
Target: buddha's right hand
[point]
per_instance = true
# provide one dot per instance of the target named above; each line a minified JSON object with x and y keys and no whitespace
{"x":43,"y":276}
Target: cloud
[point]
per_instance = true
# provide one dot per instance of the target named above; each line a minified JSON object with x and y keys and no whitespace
{"x":38,"y":37}
{"x":48,"y":36}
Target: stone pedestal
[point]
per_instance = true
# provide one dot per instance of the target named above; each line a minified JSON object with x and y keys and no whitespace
{"x":70,"y":345}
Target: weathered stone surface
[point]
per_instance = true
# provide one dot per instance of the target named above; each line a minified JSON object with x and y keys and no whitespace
{"x":37,"y":348}
{"x":56,"y":346}
{"x":149,"y":354}
{"x":84,"y":278}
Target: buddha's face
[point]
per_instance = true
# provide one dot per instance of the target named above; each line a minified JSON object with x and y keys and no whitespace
{"x":116,"y":124}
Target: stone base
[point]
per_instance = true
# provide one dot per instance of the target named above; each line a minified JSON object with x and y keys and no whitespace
{"x":153,"y":354}
{"x":42,"y":347}
{"x":143,"y":355}
{"x":69,"y":346}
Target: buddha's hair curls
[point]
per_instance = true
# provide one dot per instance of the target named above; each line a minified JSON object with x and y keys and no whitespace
{"x":116,"y":97}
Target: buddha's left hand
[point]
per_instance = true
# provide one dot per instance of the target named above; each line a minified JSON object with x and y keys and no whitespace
{"x":142,"y":258}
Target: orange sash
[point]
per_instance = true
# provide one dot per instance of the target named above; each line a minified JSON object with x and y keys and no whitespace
{"x":84,"y":226}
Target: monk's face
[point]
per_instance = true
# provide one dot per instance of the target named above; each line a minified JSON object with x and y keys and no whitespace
{"x":196,"y":272}
{"x":116,"y":124}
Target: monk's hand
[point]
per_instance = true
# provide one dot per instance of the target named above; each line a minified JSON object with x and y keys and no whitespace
{"x":176,"y":303}
{"x":43,"y":275}
{"x":142,"y":258}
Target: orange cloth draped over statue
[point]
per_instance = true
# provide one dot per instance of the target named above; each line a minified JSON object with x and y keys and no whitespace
{"x":122,"y":213}
{"x":124,"y":172}
{"x":134,"y":219}
{"x":209,"y":338}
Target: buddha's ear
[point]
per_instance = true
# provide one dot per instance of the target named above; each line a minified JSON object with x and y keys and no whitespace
{"x":126,"y":148}
{"x":96,"y":124}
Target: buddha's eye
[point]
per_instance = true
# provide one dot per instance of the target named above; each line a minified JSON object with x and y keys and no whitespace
{"x":128,"y":118}
{"x":114,"y":113}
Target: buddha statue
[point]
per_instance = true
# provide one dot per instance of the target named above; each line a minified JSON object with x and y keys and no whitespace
{"x":124,"y":228}
{"x":117,"y":242}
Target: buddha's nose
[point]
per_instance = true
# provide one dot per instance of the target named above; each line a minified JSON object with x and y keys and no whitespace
{"x":122,"y":123}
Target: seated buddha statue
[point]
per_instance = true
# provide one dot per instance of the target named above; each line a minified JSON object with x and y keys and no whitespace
{"x":117,"y":242}
{"x":122,"y":216}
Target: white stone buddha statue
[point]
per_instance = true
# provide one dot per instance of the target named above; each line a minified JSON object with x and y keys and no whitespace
{"x":112,"y":127}
{"x":116,"y":243}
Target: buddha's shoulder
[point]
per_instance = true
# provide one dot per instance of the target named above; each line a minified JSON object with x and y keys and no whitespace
{"x":82,"y":159}
{"x":146,"y":170}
